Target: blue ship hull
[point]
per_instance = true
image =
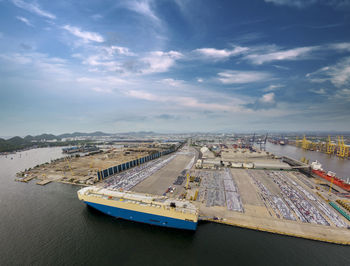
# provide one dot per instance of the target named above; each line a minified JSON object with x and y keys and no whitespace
{"x":144,"y":217}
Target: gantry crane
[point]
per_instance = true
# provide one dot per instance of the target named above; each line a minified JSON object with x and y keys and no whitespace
{"x":340,"y":148}
{"x":305,"y":143}
{"x":343,"y":150}
{"x":330,"y":146}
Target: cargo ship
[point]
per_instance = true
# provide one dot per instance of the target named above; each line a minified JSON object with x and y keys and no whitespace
{"x":316,"y":168}
{"x":144,"y":208}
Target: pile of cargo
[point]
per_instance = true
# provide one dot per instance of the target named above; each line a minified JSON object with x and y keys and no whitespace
{"x":275,"y":202}
{"x":219,"y":189}
{"x":233,"y":199}
{"x":306,"y":211}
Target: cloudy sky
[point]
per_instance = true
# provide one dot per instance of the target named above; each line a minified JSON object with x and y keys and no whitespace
{"x":174,"y":65}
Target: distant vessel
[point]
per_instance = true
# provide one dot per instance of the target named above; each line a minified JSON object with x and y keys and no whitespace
{"x":144,"y":208}
{"x":330,"y":176}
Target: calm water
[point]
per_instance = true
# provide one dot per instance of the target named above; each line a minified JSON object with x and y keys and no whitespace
{"x":50,"y":226}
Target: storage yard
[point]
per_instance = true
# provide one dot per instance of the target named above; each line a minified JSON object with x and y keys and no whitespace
{"x":278,"y":195}
{"x":283,"y":202}
{"x":271,"y":197}
{"x":129,"y":179}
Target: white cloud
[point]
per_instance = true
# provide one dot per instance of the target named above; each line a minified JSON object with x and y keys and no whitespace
{"x":281,"y":67}
{"x":143,"y":95}
{"x":142,"y":7}
{"x":270,"y":53}
{"x":266,"y":101}
{"x":295,"y":3}
{"x":190,"y":102}
{"x":200,"y":80}
{"x":103,"y":82}
{"x":292,"y":54}
{"x":172,"y":82}
{"x":306,"y":3}
{"x":102,"y":85}
{"x":345,"y":46}
{"x":157,"y":62}
{"x":321,"y":91}
{"x":268,"y":98}
{"x":241,"y":77}
{"x":96,"y":16}
{"x":119,"y":50}
{"x":40,"y":62}
{"x":17,"y":58}
{"x":106,"y":58}
{"x":342,"y":95}
{"x":25,"y":20}
{"x":221,"y":54}
{"x":273,"y":87}
{"x":338,"y":74}
{"x":98,"y":61}
{"x":86,"y":36}
{"x":33,"y":8}
{"x":102,"y":90}
{"x":117,"y":59}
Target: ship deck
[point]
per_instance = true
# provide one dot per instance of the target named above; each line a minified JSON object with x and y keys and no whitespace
{"x":140,"y":199}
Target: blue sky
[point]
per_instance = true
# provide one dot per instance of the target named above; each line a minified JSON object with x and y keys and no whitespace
{"x":174,"y":65}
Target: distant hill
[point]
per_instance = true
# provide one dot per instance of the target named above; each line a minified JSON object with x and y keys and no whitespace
{"x":40,"y":137}
{"x":100,"y":134}
{"x":138,"y":133}
{"x":18,"y":143}
{"x":14,"y":143}
{"x":80,"y":134}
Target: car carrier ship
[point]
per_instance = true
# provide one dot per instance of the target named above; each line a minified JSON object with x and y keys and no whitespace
{"x":144,"y":208}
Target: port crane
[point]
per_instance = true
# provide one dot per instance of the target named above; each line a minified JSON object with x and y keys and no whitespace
{"x":340,"y":149}
{"x":251,"y":141}
{"x":343,"y":150}
{"x":330,"y":146}
{"x":263,"y":143}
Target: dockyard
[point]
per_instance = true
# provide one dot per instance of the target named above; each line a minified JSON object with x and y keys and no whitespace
{"x":277,"y":201}
{"x":254,"y":190}
{"x":83,"y":168}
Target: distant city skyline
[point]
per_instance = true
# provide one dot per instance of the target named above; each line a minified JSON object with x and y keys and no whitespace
{"x":174,"y":66}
